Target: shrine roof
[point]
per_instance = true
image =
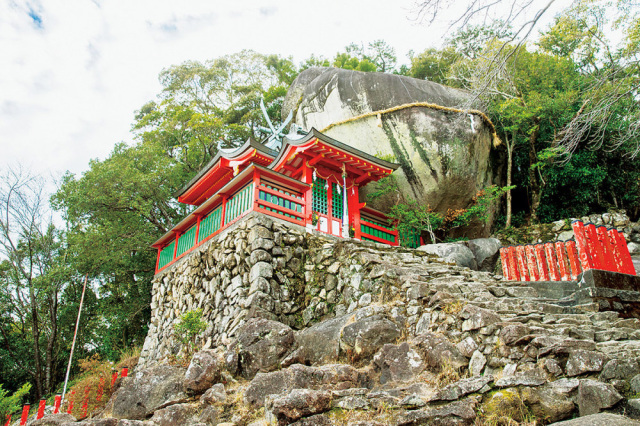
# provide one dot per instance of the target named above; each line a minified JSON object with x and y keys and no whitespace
{"x":190,"y":192}
{"x":315,"y":134}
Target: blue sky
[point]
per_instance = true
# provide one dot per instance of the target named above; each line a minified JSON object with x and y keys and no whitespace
{"x":73,"y":72}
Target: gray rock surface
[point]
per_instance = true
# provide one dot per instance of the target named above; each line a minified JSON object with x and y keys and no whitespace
{"x":486,"y":252}
{"x":594,"y":396}
{"x":398,"y":363}
{"x":363,"y":338}
{"x":601,"y":419}
{"x":202,"y":373}
{"x":286,"y":409}
{"x":457,"y":253}
{"x":444,"y":159}
{"x":54,"y":420}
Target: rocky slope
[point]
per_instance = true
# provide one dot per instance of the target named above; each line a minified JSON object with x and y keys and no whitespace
{"x":419,"y":341}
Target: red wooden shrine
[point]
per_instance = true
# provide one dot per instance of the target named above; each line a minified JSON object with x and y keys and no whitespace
{"x":313,"y":181}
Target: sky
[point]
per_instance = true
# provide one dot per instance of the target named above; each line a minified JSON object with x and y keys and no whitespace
{"x":73,"y":72}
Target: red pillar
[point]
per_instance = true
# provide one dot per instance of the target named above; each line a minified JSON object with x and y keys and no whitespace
{"x":608,"y":263}
{"x":114,"y":376}
{"x":505,"y":264}
{"x":25,"y":415}
{"x":561,"y":254}
{"x":522,"y":263}
{"x":574,"y":259}
{"x":582,"y":245}
{"x":56,"y":404}
{"x":125,"y":372}
{"x":531,"y":262}
{"x":43,"y":403}
{"x":625,"y":255}
{"x":595,"y":249}
{"x":552,"y":262}
{"x":543,"y":269}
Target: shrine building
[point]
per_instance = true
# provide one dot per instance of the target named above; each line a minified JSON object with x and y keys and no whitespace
{"x":312,"y":180}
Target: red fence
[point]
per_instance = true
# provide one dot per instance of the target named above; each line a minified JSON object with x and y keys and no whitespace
{"x":595,"y":247}
{"x":58,"y":399}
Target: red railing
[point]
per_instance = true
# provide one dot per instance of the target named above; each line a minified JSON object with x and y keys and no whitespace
{"x":593,"y":248}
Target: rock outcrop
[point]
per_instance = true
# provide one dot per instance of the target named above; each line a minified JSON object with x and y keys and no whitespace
{"x":445,"y":157}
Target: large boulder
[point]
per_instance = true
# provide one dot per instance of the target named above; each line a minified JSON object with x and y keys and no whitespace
{"x":601,"y":419}
{"x":260,"y":345}
{"x":398,"y":363}
{"x":286,"y":409}
{"x":594,"y":396}
{"x":361,"y":339}
{"x":445,"y":157}
{"x":318,"y":344}
{"x":203,"y":372}
{"x":438,"y":352}
{"x":457,"y":253}
{"x":54,"y":420}
{"x":486,"y":251}
{"x":146,"y":391}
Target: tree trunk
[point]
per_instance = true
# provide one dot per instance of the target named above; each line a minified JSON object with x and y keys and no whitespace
{"x":53,"y":337}
{"x":35,"y":332}
{"x":510,"y":146}
{"x":534,"y":183}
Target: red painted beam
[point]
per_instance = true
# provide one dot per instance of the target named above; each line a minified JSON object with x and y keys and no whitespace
{"x":552,"y":261}
{"x":609,"y":263}
{"x":522,"y":263}
{"x":531,"y":262}
{"x":574,"y":259}
{"x":561,"y":255}
{"x":541,"y":259}
{"x":582,"y":245}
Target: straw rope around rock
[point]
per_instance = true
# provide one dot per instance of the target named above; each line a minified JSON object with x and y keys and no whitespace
{"x":485,"y":119}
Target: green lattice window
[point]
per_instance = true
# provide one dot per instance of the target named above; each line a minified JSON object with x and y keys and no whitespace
{"x":210,"y":224}
{"x":319,"y":203}
{"x":186,"y":241}
{"x":336,"y":201}
{"x":376,"y":233}
{"x":409,"y":238}
{"x":166,"y":255}
{"x":282,"y":202}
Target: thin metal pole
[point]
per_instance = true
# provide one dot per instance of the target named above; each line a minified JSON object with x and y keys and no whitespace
{"x":75,"y":334}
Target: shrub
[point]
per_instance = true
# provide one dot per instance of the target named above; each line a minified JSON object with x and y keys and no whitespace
{"x":11,"y":404}
{"x":188,"y":328}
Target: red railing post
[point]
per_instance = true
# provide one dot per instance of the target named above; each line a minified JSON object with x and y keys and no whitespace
{"x":574,"y":259}
{"x":505,"y":264}
{"x":595,"y":248}
{"x":531,"y":262}
{"x":522,"y":263}
{"x":561,"y":254}
{"x":56,"y":403}
{"x":543,"y":269}
{"x":43,"y":403}
{"x":513,"y":263}
{"x":25,"y":414}
{"x":70,"y":407}
{"x":615,"y":249}
{"x":625,"y":255}
{"x":125,"y":372}
{"x":582,"y":245}
{"x":552,"y":261}
{"x":8,"y":420}
{"x":608,"y":263}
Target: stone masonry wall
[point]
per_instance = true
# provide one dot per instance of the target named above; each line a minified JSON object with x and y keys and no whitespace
{"x":259,"y":268}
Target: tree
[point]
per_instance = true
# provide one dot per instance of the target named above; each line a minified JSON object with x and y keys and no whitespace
{"x":32,"y":277}
{"x":377,"y":57}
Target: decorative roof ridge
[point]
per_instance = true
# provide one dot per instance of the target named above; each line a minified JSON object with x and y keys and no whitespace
{"x":229,"y":155}
{"x":315,"y":133}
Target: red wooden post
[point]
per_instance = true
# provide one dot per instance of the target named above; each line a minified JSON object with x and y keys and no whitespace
{"x":505,"y":264}
{"x":8,"y":420}
{"x":43,"y":403}
{"x":56,"y":403}
{"x":25,"y":414}
{"x":574,"y":259}
{"x":615,"y":249}
{"x":562,"y":260}
{"x":552,"y":262}
{"x":85,"y":402}
{"x":582,"y":245}
{"x":543,"y":269}
{"x":175,"y":246}
{"x":70,"y":408}
{"x":197,"y":237}
{"x":513,"y":262}
{"x":125,"y":372}
{"x":114,"y":376}
{"x":531,"y":262}
{"x":223,"y":213}
{"x":522,"y":263}
{"x":595,"y":249}
{"x":158,"y":259}
{"x":626,"y":256}
{"x":608,"y":263}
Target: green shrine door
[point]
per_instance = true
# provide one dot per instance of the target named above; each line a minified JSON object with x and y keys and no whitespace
{"x":328,"y":206}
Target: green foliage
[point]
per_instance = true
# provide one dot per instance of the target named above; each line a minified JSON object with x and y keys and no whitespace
{"x":187,"y":330}
{"x":11,"y":404}
{"x":479,"y":208}
{"x":377,"y":57}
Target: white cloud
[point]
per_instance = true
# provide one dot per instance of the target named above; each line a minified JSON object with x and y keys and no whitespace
{"x":74,"y":71}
